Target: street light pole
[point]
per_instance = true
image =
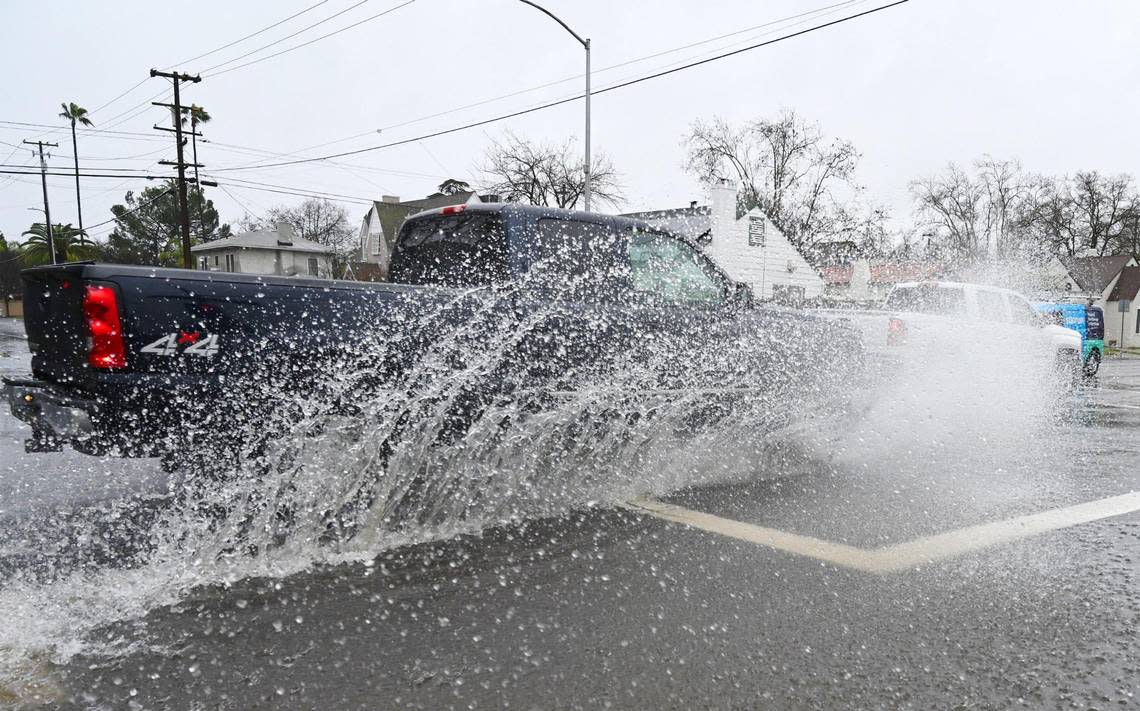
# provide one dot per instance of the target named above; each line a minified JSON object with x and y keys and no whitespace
{"x":585,"y":45}
{"x":586,"y":172}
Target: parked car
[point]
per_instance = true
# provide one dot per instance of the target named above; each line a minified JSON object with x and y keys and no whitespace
{"x":144,"y":361}
{"x":1088,"y":322}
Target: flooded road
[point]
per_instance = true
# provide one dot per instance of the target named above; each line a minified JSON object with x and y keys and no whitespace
{"x":897,"y":561}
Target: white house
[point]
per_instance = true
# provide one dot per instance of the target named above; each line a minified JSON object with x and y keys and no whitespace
{"x":278,"y":252}
{"x":1122,"y":328}
{"x":1093,"y":278}
{"x":750,"y":247}
{"x":381,"y":223}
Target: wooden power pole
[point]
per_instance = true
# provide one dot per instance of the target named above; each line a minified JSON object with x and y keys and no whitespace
{"x":47,"y":210}
{"x":180,"y":164}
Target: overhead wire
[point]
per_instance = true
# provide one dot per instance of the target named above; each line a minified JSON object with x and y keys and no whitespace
{"x":309,"y":42}
{"x":559,"y":102}
{"x":827,"y":9}
{"x":286,"y":37}
{"x":144,"y":80}
{"x":817,"y":11}
{"x":249,"y":36}
{"x":140,"y":206}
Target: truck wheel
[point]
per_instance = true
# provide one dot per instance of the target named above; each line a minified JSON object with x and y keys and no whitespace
{"x":1092,"y":365}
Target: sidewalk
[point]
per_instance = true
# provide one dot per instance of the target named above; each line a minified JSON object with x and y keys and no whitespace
{"x":12,"y":327}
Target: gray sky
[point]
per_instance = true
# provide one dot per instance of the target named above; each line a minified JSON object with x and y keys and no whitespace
{"x":1050,"y":82}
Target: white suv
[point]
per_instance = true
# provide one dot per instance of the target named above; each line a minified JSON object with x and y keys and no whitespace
{"x":914,"y":304}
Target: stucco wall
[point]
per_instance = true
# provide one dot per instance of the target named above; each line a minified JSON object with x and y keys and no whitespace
{"x":265,"y":261}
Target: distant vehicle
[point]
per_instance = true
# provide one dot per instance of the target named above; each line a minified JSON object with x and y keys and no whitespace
{"x":139,"y":361}
{"x":1088,"y":321}
{"x":915,"y":307}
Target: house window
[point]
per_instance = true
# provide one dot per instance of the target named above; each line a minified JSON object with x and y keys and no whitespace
{"x":215,"y":260}
{"x":230,"y":266}
{"x":1138,"y":322}
{"x":203,"y":263}
{"x":375,"y":238}
{"x":313,"y":266}
{"x":788,"y":295}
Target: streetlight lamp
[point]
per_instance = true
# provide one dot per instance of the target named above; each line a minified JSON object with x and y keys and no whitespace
{"x":586,"y":46}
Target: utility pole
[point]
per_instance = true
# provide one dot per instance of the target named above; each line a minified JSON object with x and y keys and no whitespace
{"x":43,"y":179}
{"x":176,"y":107}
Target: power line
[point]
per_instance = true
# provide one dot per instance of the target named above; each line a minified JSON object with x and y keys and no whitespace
{"x":551,"y":104}
{"x":824,"y":10}
{"x":105,"y":104}
{"x":251,"y":35}
{"x":86,"y":167}
{"x":71,"y":174}
{"x":286,"y":37}
{"x":827,"y":9}
{"x":240,"y":204}
{"x":133,"y":209}
{"x":305,"y":44}
{"x":256,"y":185}
{"x":90,"y":132}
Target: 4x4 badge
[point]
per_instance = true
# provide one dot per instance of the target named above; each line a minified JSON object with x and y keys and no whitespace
{"x":198,"y":345}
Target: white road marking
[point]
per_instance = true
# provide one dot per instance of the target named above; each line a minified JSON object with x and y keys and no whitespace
{"x":900,"y":556}
{"x":838,"y":553}
{"x":1126,"y":407}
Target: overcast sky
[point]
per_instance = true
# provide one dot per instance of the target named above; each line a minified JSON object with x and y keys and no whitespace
{"x":1053,"y":83}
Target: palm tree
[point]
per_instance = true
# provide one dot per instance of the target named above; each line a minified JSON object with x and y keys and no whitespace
{"x":197,"y":115}
{"x":76,"y":114}
{"x":69,"y":244}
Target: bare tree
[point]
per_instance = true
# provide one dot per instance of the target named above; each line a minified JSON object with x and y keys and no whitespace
{"x":1087,"y":213}
{"x":986,"y":213}
{"x":1102,"y":206}
{"x":320,"y":221}
{"x":786,"y":167}
{"x":546,"y":174}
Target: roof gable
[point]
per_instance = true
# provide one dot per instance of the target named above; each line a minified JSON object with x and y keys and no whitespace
{"x":1094,"y":274}
{"x":1127,"y":285}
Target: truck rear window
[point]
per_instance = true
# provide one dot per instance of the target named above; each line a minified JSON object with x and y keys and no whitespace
{"x":928,"y":299}
{"x":467,"y":249}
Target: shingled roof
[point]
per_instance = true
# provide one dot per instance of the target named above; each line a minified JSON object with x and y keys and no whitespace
{"x":1094,"y":274}
{"x":1127,"y":285}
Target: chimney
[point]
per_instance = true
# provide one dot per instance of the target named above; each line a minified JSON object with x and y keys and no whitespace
{"x":692,"y":204}
{"x":722,"y":195}
{"x":390,"y":199}
{"x":284,"y":233}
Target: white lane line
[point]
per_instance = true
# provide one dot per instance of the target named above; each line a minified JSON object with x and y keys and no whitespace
{"x":837,"y":553}
{"x":900,"y":556}
{"x":1126,"y":407}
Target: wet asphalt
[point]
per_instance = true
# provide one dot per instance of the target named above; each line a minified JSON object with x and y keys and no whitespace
{"x":610,"y":608}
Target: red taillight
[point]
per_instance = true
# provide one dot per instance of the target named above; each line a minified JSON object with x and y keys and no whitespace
{"x":453,"y":209}
{"x":896,"y":332}
{"x":104,"y":329}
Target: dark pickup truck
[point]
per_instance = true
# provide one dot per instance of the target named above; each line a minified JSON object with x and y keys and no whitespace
{"x":502,"y":298}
